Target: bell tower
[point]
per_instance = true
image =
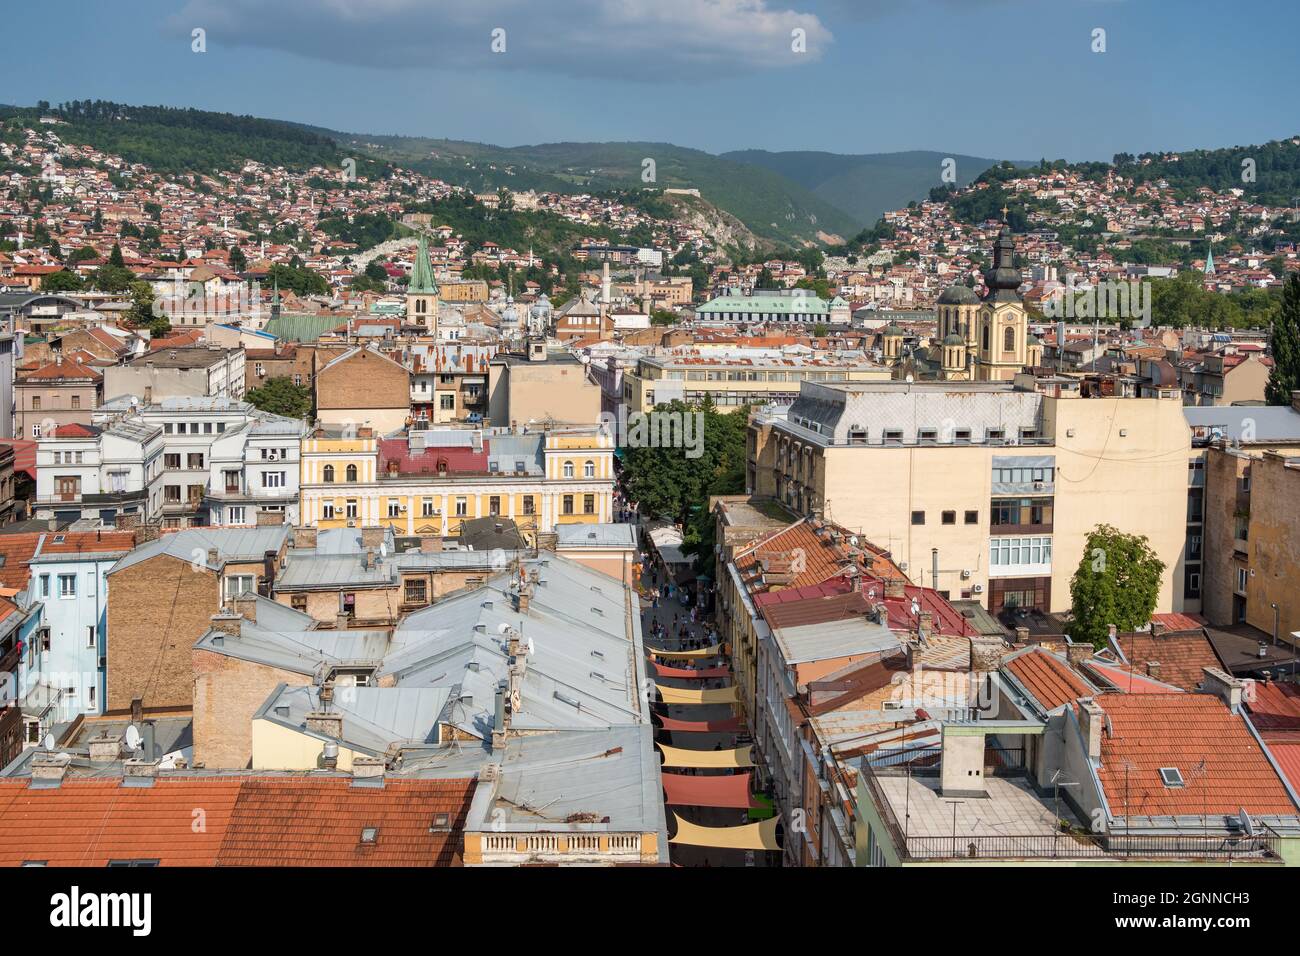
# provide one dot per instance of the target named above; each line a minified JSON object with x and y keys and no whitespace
{"x":422,"y":302}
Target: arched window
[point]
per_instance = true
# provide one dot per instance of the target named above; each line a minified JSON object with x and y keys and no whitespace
{"x":329,"y":474}
{"x":352,"y":472}
{"x":589,"y":470}
{"x":568,"y":469}
{"x":1009,"y":339}
{"x":986,"y":337}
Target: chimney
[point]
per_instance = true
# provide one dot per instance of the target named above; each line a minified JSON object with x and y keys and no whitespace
{"x":304,"y":537}
{"x":499,"y":725}
{"x":895,"y":588}
{"x":1158,"y":628}
{"x":372,"y":537}
{"x":1092,"y":720}
{"x":1076,"y":654}
{"x":140,"y":767}
{"x":430,"y":544}
{"x":227,"y":623}
{"x":1022,"y":635}
{"x":341,"y":621}
{"x":137,"y":709}
{"x":367,"y":767}
{"x":925,"y":623}
{"x":934,"y":568}
{"x":50,"y":766}
{"x":522,"y":597}
{"x":986,"y":653}
{"x":1112,"y":632}
{"x":246,"y":606}
{"x":1295,"y":399}
{"x":214,"y":557}
{"x":1153,"y":670}
{"x":1223,"y":686}
{"x":105,"y":748}
{"x":329,"y":723}
{"x":368,"y":559}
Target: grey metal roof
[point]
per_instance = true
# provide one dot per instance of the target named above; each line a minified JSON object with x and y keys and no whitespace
{"x":305,"y":570}
{"x":817,"y":642}
{"x":373,"y":717}
{"x":605,"y":535}
{"x":298,"y":650}
{"x":193,"y":544}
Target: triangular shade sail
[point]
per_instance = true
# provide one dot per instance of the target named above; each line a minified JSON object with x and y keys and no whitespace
{"x":690,"y":695}
{"x":685,"y":673}
{"x":729,"y":726}
{"x":749,"y":836}
{"x":713,"y":650}
{"x":706,"y":759}
{"x":726,"y":790}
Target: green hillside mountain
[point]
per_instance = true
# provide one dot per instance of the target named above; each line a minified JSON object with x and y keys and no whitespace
{"x":867,"y":185}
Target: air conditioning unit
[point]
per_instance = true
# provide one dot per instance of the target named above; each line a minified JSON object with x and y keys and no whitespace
{"x":965,"y":575}
{"x":978,"y":589}
{"x":902,"y":566}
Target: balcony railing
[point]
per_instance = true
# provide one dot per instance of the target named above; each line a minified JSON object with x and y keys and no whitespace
{"x":1074,"y":845}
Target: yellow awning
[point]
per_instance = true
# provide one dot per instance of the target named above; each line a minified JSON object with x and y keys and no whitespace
{"x":710,"y":759}
{"x":749,"y":836}
{"x":692,"y":695}
{"x":713,"y":650}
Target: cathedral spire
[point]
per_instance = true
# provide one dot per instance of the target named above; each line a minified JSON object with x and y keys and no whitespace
{"x":1209,"y":259}
{"x":422,"y":281}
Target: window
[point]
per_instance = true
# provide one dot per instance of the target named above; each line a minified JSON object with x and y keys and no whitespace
{"x":529,"y":507}
{"x":171,"y":461}
{"x":494,"y":505}
{"x":394,"y":509}
{"x":993,"y":434}
{"x":36,"y":403}
{"x":45,"y":585}
{"x":950,"y":517}
{"x":589,"y":470}
{"x":237,"y":584}
{"x":1171,"y":777}
{"x":352,"y":473}
{"x":350,"y":508}
{"x":972,"y":517}
{"x":447,"y":403}
{"x":273,"y":479}
{"x":327,"y":510}
{"x":918,"y":517}
{"x":893,"y":436}
{"x":235,"y":514}
{"x":328,"y":474}
{"x":194,"y":462}
{"x":927,"y":436}
{"x":961,"y":435}
{"x":132,"y":862}
{"x":76,"y":401}
{"x":568,"y":469}
{"x":589,"y":504}
{"x":90,"y":635}
{"x":299,"y":602}
{"x":67,"y":585}
{"x":416,"y":591}
{"x":567,"y":506}
{"x":426,"y":507}
{"x":1009,"y":339}
{"x":462,"y":506}
{"x":1018,"y":552}
{"x":1242,"y":577}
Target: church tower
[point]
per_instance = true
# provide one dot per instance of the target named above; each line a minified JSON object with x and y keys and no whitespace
{"x":1002,"y":347}
{"x":422,"y":303}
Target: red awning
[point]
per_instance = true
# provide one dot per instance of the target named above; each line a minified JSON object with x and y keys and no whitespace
{"x":729,"y":726}
{"x":685,"y":673}
{"x":725,"y":790}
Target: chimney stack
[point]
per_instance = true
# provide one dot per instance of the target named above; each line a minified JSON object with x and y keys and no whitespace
{"x":1092,"y":719}
{"x":105,"y":748}
{"x":1076,"y":654}
{"x":329,"y":723}
{"x":50,"y":766}
{"x":1224,"y":686}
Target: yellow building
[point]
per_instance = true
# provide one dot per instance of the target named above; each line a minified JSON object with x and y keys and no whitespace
{"x":428,"y":482}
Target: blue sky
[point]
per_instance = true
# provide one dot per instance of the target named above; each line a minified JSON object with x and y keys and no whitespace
{"x":998,"y":78}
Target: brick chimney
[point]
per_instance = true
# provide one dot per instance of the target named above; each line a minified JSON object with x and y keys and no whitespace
{"x":304,"y":537}
{"x":372,"y":536}
{"x":140,"y":767}
{"x":1092,"y":719}
{"x":1076,"y":654}
{"x":367,"y":767}
{"x":105,"y":748}
{"x":329,"y":723}
{"x":1022,"y":635}
{"x":1158,"y":628}
{"x":986,"y":653}
{"x":430,"y":544}
{"x":227,"y":623}
{"x":246,"y":606}
{"x":1153,"y":670}
{"x":894,"y":588}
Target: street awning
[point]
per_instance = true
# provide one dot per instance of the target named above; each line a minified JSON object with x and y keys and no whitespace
{"x":706,"y":759}
{"x":728,"y":790}
{"x":749,"y":836}
{"x":685,"y":673}
{"x":689,"y":695}
{"x":729,"y":726}
{"x":713,"y":650}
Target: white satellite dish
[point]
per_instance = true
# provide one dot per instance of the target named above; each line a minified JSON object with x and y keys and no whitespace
{"x":530,"y":647}
{"x":48,"y":742}
{"x":503,"y":628}
{"x":383,"y":550}
{"x":133,"y":738}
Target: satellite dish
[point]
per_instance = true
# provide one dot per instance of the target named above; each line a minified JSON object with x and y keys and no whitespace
{"x":503,"y":628}
{"x":48,"y":743}
{"x":133,"y":738}
{"x":383,"y":549}
{"x":1246,"y":823}
{"x":530,"y":647}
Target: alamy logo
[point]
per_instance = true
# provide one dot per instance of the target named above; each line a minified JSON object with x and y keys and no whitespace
{"x":76,"y":909}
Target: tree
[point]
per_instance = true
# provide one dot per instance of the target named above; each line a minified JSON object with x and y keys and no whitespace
{"x":1117,"y":582}
{"x":61,"y":281}
{"x":115,"y":257}
{"x":280,"y":396}
{"x":238,"y":261}
{"x":1285,"y":376}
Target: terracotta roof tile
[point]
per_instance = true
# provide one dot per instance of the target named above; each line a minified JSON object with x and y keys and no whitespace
{"x":1224,"y":768}
{"x":1048,"y":678}
{"x":1180,"y":655}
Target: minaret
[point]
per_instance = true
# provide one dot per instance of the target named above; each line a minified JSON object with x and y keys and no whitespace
{"x":422,"y":292}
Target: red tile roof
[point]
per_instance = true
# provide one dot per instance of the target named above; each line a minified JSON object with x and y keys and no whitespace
{"x":1047,"y":678}
{"x":1180,"y":655}
{"x":459,"y":459}
{"x":1223,"y":766}
{"x":257,"y":821}
{"x":1275,"y":710}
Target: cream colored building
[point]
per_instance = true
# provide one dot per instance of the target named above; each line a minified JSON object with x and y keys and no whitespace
{"x":541,"y":386}
{"x":995,"y":483}
{"x":735,"y":380}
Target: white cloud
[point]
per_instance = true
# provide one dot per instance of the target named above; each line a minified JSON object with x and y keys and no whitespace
{"x":643,"y":40}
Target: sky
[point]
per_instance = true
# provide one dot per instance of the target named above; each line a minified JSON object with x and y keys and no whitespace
{"x":1003,"y":79}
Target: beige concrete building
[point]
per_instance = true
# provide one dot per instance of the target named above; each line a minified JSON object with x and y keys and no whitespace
{"x":363,"y":388}
{"x":982,"y":490}
{"x":541,"y":386}
{"x":178,"y":373}
{"x":60,"y":393}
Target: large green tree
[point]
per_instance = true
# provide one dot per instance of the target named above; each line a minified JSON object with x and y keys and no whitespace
{"x":61,"y":281}
{"x":281,"y":397}
{"x":1117,"y":582}
{"x":1285,"y":376}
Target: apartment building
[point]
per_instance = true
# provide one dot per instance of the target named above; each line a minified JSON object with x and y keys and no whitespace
{"x":738,"y":377}
{"x":540,"y":386}
{"x":430,"y":481}
{"x":176,"y":373}
{"x":982,"y":490}
{"x":100,"y":472}
{"x":58,"y":393}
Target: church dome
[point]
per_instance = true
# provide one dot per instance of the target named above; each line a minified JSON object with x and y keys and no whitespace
{"x":954,"y":339}
{"x":958,"y":295}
